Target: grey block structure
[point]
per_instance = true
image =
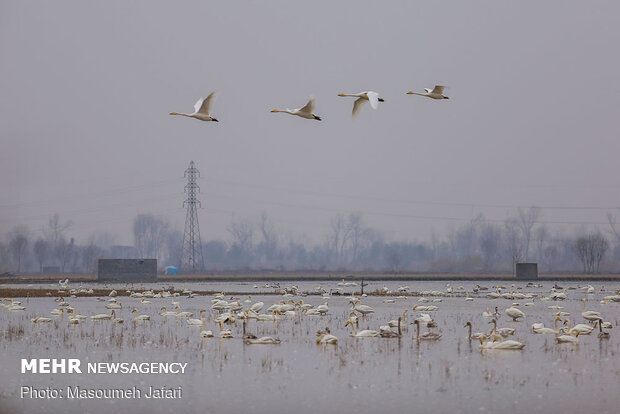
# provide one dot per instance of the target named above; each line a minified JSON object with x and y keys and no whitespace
{"x":527,"y":271}
{"x":127,"y":270}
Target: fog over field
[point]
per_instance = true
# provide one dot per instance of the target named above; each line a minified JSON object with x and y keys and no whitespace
{"x":519,"y":164}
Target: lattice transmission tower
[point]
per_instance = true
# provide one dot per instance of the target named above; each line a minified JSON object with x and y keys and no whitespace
{"x":192,"y":260}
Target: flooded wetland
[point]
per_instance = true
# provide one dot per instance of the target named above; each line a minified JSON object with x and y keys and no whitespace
{"x":359,"y":374}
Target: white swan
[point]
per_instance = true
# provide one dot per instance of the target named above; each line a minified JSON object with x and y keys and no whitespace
{"x":323,"y":309}
{"x":363,"y":309}
{"x":394,"y":323}
{"x":589,"y":315}
{"x":15,"y":306}
{"x":40,"y":319}
{"x":362,"y":97}
{"x":206,"y":334}
{"x":471,"y":335}
{"x":140,"y":317}
{"x":386,"y":332}
{"x":501,"y":331}
{"x":366,"y":333}
{"x":571,"y":339}
{"x":224,"y":333}
{"x":582,"y":328}
{"x":167,"y":312}
{"x":427,"y":336}
{"x":507,"y":345}
{"x":429,"y":308}
{"x":202,"y":109}
{"x":326,"y":338}
{"x":514,"y":313}
{"x":265,"y":340}
{"x":436,"y":93}
{"x":539,"y":328}
{"x":102,"y":316}
{"x":311,"y":312}
{"x":304,"y":112}
{"x":197,"y":322}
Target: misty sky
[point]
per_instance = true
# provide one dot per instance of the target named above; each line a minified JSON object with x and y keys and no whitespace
{"x":86,"y":88}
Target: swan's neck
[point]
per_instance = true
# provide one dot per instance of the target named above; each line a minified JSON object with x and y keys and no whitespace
{"x":180,"y":113}
{"x":469,"y":332}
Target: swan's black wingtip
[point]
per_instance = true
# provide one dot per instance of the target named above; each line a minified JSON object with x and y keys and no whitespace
{"x":381,"y":100}
{"x":318,"y":118}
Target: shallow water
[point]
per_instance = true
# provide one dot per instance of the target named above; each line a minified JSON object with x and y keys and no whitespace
{"x":359,"y":374}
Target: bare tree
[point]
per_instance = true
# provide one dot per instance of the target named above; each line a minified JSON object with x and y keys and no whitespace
{"x":4,"y":258}
{"x":55,"y":228}
{"x":337,"y":238}
{"x":590,"y":249}
{"x":541,"y":235}
{"x":611,"y":219}
{"x":242,"y":232}
{"x":513,"y":246}
{"x":41,"y":251}
{"x":490,"y":243}
{"x":353,"y":231}
{"x":526,"y":220}
{"x":174,"y":246}
{"x":267,"y":248}
{"x":90,"y":254}
{"x":150,"y":234}
{"x":18,"y":242}
{"x":64,"y":252}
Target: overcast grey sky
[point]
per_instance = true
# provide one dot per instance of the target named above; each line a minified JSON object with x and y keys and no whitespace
{"x":86,"y":88}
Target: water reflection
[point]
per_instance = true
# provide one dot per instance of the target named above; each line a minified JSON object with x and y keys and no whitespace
{"x":362,"y":374}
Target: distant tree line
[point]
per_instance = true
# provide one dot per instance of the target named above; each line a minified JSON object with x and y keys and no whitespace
{"x":256,"y":245}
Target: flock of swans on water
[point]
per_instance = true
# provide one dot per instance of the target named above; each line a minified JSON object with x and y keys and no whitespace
{"x":292,"y":305}
{"x":202,"y":108}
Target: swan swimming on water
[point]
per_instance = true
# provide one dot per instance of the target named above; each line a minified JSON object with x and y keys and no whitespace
{"x":506,"y":345}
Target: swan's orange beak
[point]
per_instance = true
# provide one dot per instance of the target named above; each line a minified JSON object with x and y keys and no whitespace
{"x":410,"y":93}
{"x":341,"y":94}
{"x":274,"y":110}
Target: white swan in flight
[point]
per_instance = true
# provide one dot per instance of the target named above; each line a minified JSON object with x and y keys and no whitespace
{"x":202,"y":109}
{"x":436,"y":93}
{"x":304,"y":112}
{"x":366,"y":96}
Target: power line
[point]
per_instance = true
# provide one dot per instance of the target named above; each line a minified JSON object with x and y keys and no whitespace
{"x":426,"y":202}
